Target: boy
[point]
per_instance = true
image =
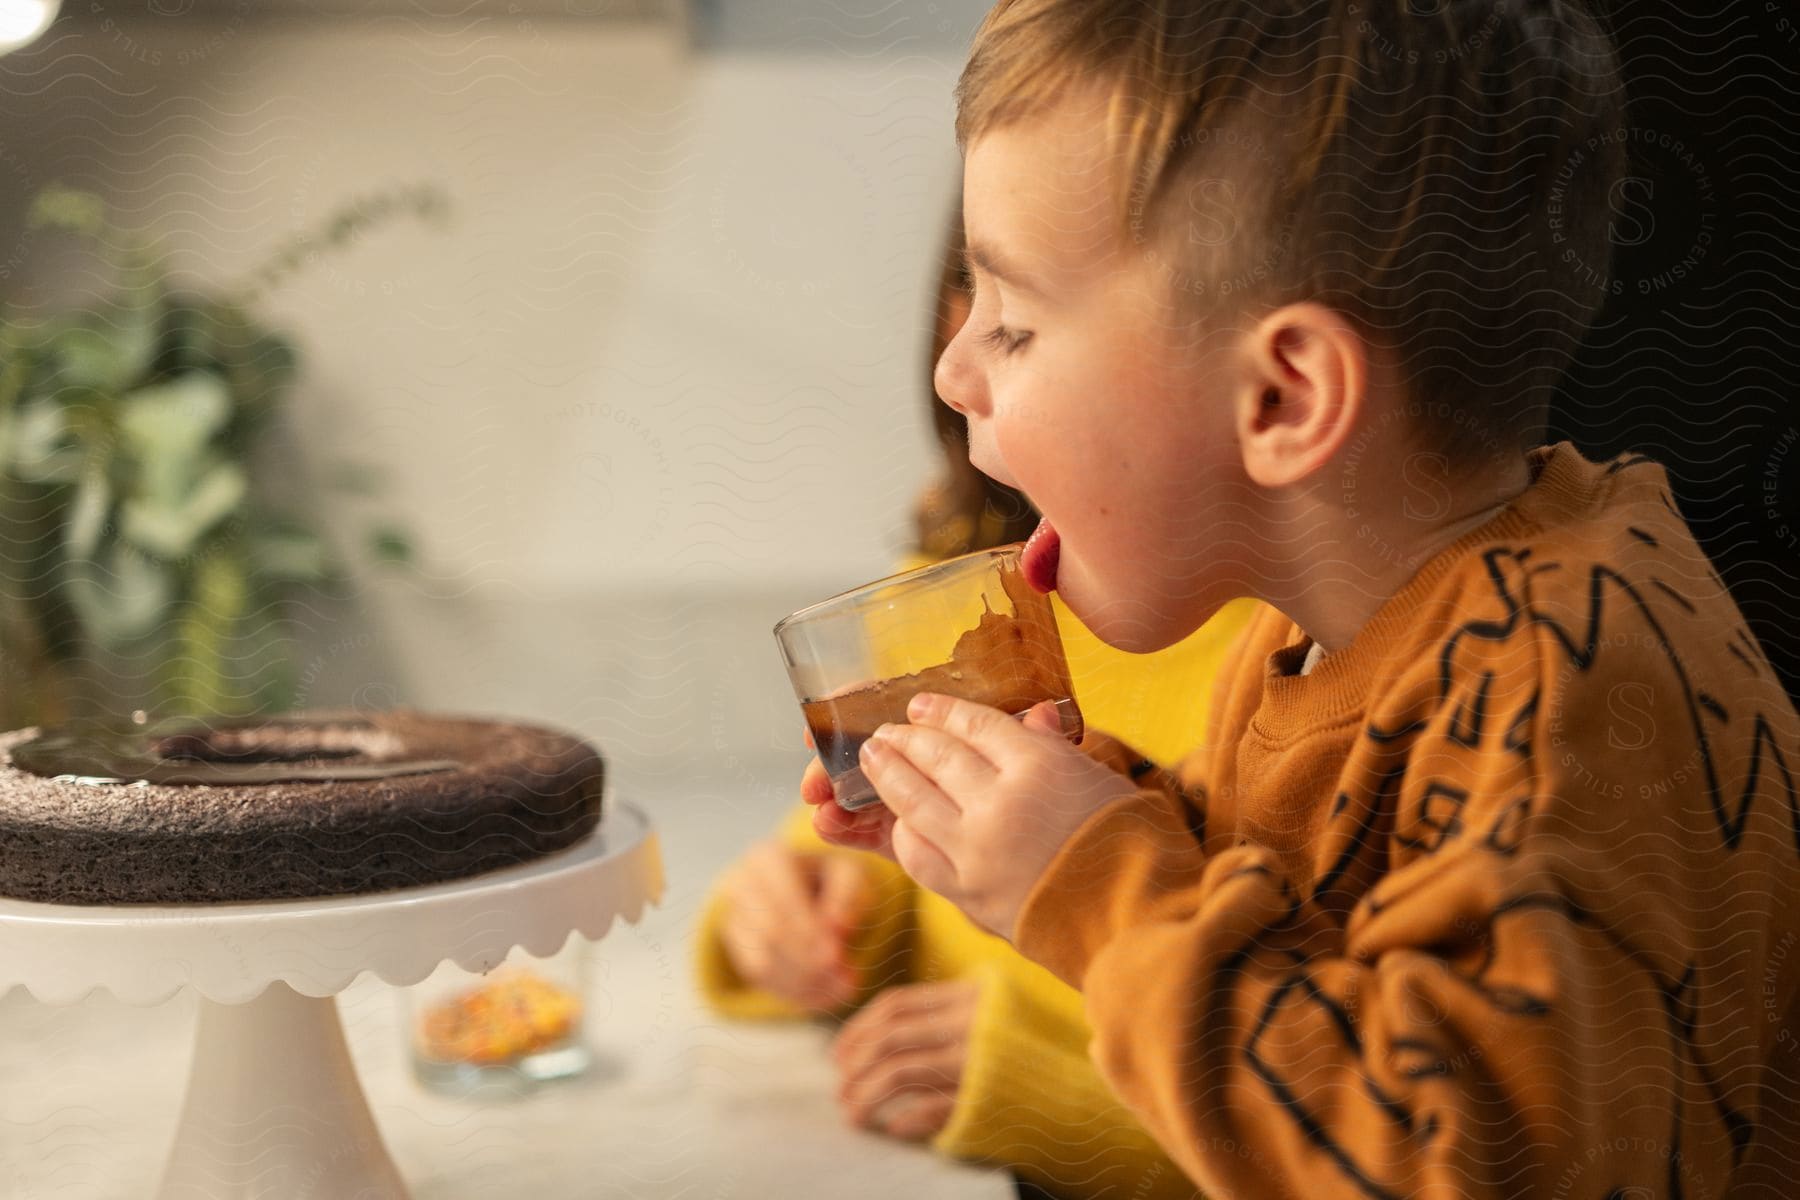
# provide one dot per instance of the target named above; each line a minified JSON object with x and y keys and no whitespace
{"x":1487,"y":884}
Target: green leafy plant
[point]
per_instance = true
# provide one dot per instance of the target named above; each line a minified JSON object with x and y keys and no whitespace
{"x":140,"y":566}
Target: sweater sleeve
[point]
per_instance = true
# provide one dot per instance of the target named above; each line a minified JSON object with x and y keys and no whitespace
{"x":880,"y":950}
{"x":1032,"y":1100}
{"x":1549,"y":992}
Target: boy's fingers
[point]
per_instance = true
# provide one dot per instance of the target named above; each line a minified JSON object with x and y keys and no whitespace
{"x":909,"y":794}
{"x":919,"y":857}
{"x":806,"y":736}
{"x":989,"y":730}
{"x":815,"y":784}
{"x":939,"y":757}
{"x":868,"y":829}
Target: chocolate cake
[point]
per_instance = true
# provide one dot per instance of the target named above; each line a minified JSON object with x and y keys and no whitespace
{"x":314,"y":804}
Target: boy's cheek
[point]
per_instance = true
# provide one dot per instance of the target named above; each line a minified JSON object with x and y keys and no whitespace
{"x":985,"y":456}
{"x":1049,"y":452}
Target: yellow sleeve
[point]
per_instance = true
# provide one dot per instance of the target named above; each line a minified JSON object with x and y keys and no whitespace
{"x":1032,"y":1100}
{"x":1160,"y":702}
{"x":880,"y":950}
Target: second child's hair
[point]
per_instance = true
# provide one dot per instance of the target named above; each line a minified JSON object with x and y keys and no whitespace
{"x":1438,"y":171}
{"x":962,"y":510}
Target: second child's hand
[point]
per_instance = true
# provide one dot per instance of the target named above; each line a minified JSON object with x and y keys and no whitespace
{"x":975,"y":805}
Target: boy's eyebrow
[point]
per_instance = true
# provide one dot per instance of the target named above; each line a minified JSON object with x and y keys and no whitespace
{"x":991,"y":262}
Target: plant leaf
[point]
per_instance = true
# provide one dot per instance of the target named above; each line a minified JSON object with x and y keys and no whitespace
{"x":42,"y":449}
{"x":172,"y":530}
{"x":120,"y":598}
{"x":70,"y":209}
{"x":186,"y":345}
{"x":92,"y":357}
{"x":180,"y":414}
{"x":287,"y":552}
{"x":200,"y":675}
{"x":354,"y":478}
{"x":391,"y":546}
{"x":87,"y":514}
{"x":135,"y":329}
{"x":260,"y":376}
{"x":168,"y":425}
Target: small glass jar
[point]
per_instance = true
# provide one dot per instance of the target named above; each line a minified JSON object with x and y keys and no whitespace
{"x":515,"y":1028}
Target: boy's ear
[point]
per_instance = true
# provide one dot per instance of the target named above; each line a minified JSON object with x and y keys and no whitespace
{"x":1307,"y":375}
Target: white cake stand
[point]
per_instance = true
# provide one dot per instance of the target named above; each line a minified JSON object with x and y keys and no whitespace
{"x":273,"y":1108}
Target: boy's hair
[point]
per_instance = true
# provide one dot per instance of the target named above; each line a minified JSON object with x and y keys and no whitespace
{"x":1438,"y":171}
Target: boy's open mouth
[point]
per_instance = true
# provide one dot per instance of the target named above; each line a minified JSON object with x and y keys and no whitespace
{"x":1037,"y":561}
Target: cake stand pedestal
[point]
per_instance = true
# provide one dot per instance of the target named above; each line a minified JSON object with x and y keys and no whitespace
{"x":274,"y":1110}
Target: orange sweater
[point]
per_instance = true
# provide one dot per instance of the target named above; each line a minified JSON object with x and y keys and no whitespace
{"x":1499,"y":900}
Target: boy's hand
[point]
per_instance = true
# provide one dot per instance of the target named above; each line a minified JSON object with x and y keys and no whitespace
{"x":865,"y":829}
{"x":901,"y":1058}
{"x":976,"y":803}
{"x":789,"y":922}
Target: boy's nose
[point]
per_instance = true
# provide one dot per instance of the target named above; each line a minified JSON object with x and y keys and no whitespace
{"x":957,"y":382}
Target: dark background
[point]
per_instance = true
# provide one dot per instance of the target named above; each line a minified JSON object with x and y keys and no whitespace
{"x":1696,"y":359}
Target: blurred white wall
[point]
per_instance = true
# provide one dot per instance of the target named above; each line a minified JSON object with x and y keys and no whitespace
{"x":658,"y":381}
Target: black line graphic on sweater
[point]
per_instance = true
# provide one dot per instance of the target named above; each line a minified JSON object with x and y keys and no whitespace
{"x":1229,"y":971}
{"x":1440,"y":810}
{"x":1682,"y":1006}
{"x":1518,"y":732}
{"x":1425,"y":1059}
{"x":1750,"y":652}
{"x":1359,"y":839}
{"x":1469,"y":721}
{"x":1678,"y":1002}
{"x":1430,"y":1061}
{"x":1194,"y":808}
{"x":1519,"y":613}
{"x":1375,"y":818}
{"x":1681,"y":601}
{"x":1507,"y":832}
{"x":1675,"y":994}
{"x":1737,"y":650}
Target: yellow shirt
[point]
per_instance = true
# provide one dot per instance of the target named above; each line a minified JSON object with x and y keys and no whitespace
{"x":1030,"y":1098}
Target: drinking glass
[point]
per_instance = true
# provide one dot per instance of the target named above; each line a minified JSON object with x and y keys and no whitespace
{"x":968,"y":627}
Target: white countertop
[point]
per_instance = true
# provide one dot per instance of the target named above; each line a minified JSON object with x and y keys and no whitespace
{"x":693,"y":1106}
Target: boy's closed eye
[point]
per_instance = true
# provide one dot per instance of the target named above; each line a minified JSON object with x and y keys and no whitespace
{"x":983,"y":260}
{"x":1006,"y":340}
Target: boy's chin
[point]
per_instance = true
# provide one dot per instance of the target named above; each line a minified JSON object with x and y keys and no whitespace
{"x":1127,"y":624}
{"x":1140,"y":639}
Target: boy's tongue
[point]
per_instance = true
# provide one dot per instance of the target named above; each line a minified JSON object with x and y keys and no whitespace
{"x":1037,"y":561}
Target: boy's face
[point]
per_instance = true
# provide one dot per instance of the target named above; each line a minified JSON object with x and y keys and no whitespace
{"x":1086,"y":389}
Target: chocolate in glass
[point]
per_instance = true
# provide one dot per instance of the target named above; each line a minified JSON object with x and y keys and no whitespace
{"x":1009,"y":657}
